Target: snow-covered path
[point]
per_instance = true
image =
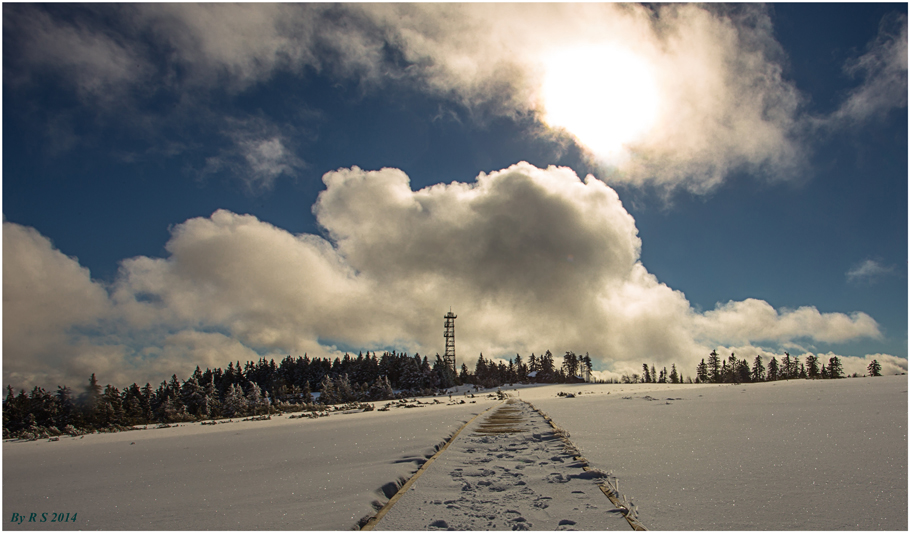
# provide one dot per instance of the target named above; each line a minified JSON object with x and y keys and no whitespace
{"x":505,"y":471}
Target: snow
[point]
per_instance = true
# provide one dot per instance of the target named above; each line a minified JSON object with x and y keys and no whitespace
{"x":825,"y":455}
{"x":515,"y":475}
{"x":784,"y":455}
{"x":315,"y":474}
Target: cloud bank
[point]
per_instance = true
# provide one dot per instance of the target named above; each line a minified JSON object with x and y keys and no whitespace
{"x":530,"y":259}
{"x":724,"y":102}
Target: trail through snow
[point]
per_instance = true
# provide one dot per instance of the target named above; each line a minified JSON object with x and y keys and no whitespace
{"x":508,"y":470}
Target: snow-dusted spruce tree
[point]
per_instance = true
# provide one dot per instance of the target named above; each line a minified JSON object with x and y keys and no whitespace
{"x":874,"y":368}
{"x":327,"y":390}
{"x":254,"y":399}
{"x":235,"y":402}
{"x":381,"y":389}
{"x":307,"y":394}
{"x":212,"y":401}
{"x":444,"y":376}
{"x":192,"y":394}
{"x":344,"y":392}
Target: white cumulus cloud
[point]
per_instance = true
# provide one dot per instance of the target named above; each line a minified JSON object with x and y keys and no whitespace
{"x":530,"y":260}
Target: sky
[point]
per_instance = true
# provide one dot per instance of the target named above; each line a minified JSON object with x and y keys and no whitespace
{"x":195,"y":184}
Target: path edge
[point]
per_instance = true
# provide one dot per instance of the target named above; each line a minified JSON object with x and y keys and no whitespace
{"x":371,"y":523}
{"x":636,"y":525}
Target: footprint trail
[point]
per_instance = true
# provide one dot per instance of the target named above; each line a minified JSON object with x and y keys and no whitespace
{"x":507,"y":470}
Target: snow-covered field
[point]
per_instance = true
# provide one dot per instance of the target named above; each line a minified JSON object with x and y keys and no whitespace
{"x":828,"y":454}
{"x":784,"y":455}
{"x":283,"y":473}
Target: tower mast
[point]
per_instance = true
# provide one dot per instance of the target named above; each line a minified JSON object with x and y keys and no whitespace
{"x":449,"y":334}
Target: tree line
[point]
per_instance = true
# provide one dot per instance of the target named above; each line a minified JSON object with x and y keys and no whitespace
{"x":738,"y":370}
{"x":262,"y":388}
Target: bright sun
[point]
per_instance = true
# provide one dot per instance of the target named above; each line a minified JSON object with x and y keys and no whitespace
{"x":606,"y":96}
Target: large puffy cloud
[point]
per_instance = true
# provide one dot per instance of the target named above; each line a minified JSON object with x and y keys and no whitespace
{"x":47,"y":297}
{"x":753,"y":319}
{"x":529,"y":259}
{"x":724,"y":102}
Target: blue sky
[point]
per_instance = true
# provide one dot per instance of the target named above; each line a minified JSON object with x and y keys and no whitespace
{"x":165,"y":204}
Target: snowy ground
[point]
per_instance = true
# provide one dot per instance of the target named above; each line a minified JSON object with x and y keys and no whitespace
{"x":320,"y":474}
{"x":506,"y":471}
{"x":821,"y":455}
{"x":785,"y":455}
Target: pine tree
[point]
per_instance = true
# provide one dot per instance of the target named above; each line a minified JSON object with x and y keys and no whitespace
{"x":731,"y":376}
{"x":570,"y":364}
{"x":773,"y":369}
{"x":645,"y":373}
{"x":701,"y":372}
{"x":480,"y":370}
{"x":521,"y":370}
{"x":758,"y":369}
{"x":464,"y":376}
{"x":742,"y":371}
{"x":444,"y":375}
{"x":235,"y":402}
{"x":812,"y":371}
{"x":547,"y":368}
{"x":327,"y":390}
{"x":874,"y":368}
{"x":64,"y":400}
{"x":835,"y":370}
{"x":307,"y":394}
{"x":344,"y":392}
{"x":674,"y":376}
{"x":714,"y":368}
{"x":588,"y":365}
{"x":381,"y":389}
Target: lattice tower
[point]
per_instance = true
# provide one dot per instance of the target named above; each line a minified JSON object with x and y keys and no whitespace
{"x":449,"y":334}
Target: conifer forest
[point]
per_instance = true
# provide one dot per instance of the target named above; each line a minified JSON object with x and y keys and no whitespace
{"x":302,"y":384}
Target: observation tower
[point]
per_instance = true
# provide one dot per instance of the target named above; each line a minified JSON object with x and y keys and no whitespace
{"x":449,"y":358}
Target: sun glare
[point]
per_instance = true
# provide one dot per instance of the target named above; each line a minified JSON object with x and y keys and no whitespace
{"x":604,"y":95}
